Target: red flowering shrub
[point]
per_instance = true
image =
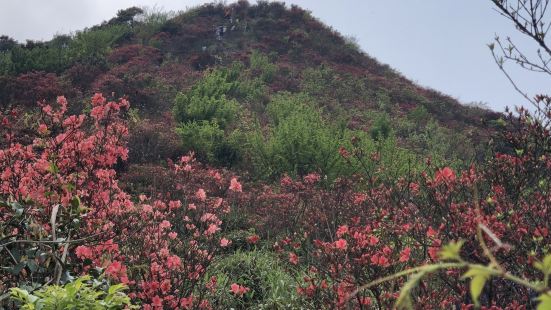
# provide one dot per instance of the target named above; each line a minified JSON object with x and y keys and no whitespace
{"x":127,"y":53}
{"x":63,"y":212}
{"x":355,"y":232}
{"x":82,"y":75}
{"x":36,"y":86}
{"x":59,"y":190}
{"x":135,"y":73}
{"x":174,"y":242}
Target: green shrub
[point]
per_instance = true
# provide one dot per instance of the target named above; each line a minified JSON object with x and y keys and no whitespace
{"x":317,"y":81}
{"x":262,"y":64}
{"x":271,"y":287}
{"x":208,"y":99}
{"x":6,"y":64}
{"x":209,"y":142}
{"x":391,"y":160}
{"x":91,"y":46}
{"x":150,"y":22}
{"x":299,"y":140}
{"x":254,"y":94}
{"x":381,"y":128}
{"x":326,"y":83}
{"x":205,"y":114}
{"x":419,"y":115}
{"x":202,"y":137}
{"x":192,"y":108}
{"x":83,"y":293}
{"x":424,"y":136}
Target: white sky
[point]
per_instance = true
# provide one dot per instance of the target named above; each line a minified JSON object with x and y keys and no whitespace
{"x":436,"y":43}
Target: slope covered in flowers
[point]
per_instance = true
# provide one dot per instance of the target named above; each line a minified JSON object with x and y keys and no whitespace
{"x":259,"y":167}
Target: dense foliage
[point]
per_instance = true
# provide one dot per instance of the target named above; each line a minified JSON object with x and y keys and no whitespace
{"x":270,"y":165}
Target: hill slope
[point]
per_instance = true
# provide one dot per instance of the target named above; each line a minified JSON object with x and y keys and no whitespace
{"x":271,"y":52}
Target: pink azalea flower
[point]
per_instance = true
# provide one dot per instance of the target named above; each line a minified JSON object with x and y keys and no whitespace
{"x":235,"y":185}
{"x":201,"y":194}
{"x":238,"y":289}
{"x":224,"y":242}
{"x":341,"y":244}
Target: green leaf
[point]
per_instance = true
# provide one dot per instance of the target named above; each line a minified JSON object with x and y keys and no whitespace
{"x":501,"y":122}
{"x":477,"y":284}
{"x":75,"y":202}
{"x":545,"y":302}
{"x":22,"y":295}
{"x":17,"y":268}
{"x":52,"y":168}
{"x":479,"y":275}
{"x":70,"y":187}
{"x":451,"y":251}
{"x":404,"y":300}
{"x":113,"y":289}
{"x":33,"y":267}
{"x":545,"y":265}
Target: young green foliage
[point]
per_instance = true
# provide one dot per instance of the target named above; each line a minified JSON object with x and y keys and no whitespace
{"x":83,"y":293}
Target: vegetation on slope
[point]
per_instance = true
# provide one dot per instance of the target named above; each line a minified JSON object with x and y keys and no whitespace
{"x":263,"y":162}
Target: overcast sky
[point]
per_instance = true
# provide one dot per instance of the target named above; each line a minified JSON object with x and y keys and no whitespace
{"x":436,"y":43}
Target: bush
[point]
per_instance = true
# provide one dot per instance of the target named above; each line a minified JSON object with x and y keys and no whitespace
{"x":153,"y":141}
{"x":208,"y":99}
{"x":381,"y":128}
{"x":270,"y":286}
{"x":208,"y":141}
{"x":299,"y":140}
{"x":262,"y":64}
{"x":92,"y":46}
{"x":191,"y":108}
{"x":151,"y":22}
{"x":205,"y":114}
{"x":83,"y":293}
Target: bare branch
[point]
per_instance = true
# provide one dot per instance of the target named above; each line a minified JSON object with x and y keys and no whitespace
{"x":500,"y":65}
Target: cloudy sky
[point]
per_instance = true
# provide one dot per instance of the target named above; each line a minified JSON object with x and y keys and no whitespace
{"x":436,"y":43}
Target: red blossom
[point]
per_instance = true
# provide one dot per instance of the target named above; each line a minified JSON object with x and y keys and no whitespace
{"x":201,"y":194}
{"x":312,"y":178}
{"x":253,"y":239}
{"x":342,"y":230}
{"x":238,"y":289}
{"x":404,"y":255}
{"x":344,"y":153}
{"x":173,"y":262}
{"x":444,"y":175}
{"x":341,"y":244}
{"x":293,"y":258}
{"x":235,"y":185}
{"x":224,"y":242}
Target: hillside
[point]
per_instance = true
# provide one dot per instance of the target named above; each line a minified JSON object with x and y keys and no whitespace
{"x":149,"y":57}
{"x":249,"y":157}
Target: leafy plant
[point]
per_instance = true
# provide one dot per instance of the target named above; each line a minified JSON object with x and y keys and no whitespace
{"x":209,"y":142}
{"x":299,"y":140}
{"x":261,"y":63}
{"x":478,"y":274}
{"x":270,"y":286}
{"x":209,"y":99}
{"x":82,"y":293}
